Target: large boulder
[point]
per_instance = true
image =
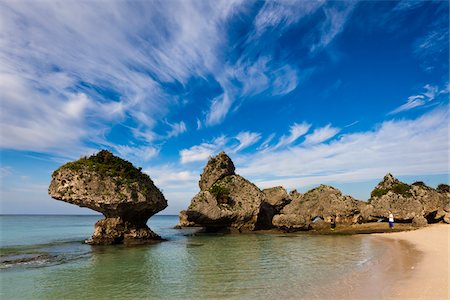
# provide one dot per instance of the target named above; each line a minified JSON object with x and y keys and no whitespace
{"x":225,"y":200}
{"x":232,"y":202}
{"x":419,"y":221}
{"x":407,"y":202}
{"x":217,"y":168}
{"x":114,"y":187}
{"x":275,"y":199}
{"x":292,"y":222}
{"x":323,"y":202}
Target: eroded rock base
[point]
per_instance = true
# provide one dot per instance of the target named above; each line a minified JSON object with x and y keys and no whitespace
{"x":111,"y":231}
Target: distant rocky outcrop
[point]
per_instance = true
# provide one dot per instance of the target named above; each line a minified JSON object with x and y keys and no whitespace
{"x":184,"y":222}
{"x":416,"y":203}
{"x":114,"y":187}
{"x":321,"y":203}
{"x":226,"y":200}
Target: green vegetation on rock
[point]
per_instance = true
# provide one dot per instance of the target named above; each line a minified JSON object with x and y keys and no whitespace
{"x":398,"y":188}
{"x":106,"y":164}
{"x":443,"y":188}
{"x":419,"y":183}
{"x":219,"y":192}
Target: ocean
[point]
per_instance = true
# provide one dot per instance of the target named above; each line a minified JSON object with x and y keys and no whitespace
{"x":44,"y":257}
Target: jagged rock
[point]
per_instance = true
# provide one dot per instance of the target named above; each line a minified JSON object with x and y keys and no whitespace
{"x":407,"y":201}
{"x":225,"y":200}
{"x":324,"y":202}
{"x":419,"y":221}
{"x":217,"y":168}
{"x":184,"y":222}
{"x":275,"y":199}
{"x":114,"y":187}
{"x":443,"y":188}
{"x":232,"y":202}
{"x":446,"y":218}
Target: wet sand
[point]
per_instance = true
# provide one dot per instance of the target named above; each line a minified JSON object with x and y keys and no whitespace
{"x":428,"y":274}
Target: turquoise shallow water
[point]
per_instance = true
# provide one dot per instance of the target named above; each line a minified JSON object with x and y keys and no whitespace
{"x":44,"y":257}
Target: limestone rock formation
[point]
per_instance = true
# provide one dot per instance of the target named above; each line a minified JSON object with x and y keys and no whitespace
{"x":408,"y":202}
{"x":324,"y":202}
{"x":226,"y":200}
{"x":114,"y":187}
{"x":275,"y":199}
{"x":184,"y":222}
{"x":232,"y":202}
{"x":292,"y":222}
{"x":217,"y":168}
{"x":419,"y":221}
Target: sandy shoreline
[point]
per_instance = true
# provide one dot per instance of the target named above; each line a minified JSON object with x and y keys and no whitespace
{"x":427,"y":272}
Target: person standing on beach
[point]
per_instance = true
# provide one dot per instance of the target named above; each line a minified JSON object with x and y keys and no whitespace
{"x":333,"y":223}
{"x":391,"y":220}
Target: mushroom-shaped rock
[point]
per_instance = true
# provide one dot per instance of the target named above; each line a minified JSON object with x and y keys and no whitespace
{"x":217,"y":168}
{"x":232,"y":202}
{"x":114,"y":187}
{"x":324,"y":202}
{"x":407,"y":202}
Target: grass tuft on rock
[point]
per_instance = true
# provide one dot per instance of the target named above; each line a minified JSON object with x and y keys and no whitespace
{"x":398,"y":188}
{"x":106,"y":164}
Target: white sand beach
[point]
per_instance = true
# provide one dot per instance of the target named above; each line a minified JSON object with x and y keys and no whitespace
{"x":428,"y":275}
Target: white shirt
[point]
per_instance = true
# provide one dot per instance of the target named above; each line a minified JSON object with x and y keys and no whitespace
{"x":391,"y":218}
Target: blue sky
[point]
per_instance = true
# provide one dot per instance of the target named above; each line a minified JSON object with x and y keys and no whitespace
{"x":298,"y":93}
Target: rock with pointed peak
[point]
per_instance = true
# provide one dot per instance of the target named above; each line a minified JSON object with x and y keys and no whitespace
{"x":408,"y":202}
{"x":232,"y":202}
{"x":114,"y":187}
{"x":225,"y":200}
{"x":217,"y":168}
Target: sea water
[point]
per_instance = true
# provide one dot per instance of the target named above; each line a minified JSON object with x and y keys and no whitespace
{"x":45,"y":257}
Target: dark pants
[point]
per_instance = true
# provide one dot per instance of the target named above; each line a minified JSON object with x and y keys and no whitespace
{"x":391,"y":224}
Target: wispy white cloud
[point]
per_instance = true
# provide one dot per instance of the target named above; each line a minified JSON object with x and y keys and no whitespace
{"x":394,"y":146}
{"x":49,"y":49}
{"x":295,"y":131}
{"x":137,"y":154}
{"x":218,"y":110}
{"x":320,"y":135}
{"x":176,"y":129}
{"x":430,"y":93}
{"x":335,"y":20}
{"x":266,"y":142}
{"x":246,"y":139}
{"x":282,"y":14}
{"x":203,"y":151}
{"x":432,"y":48}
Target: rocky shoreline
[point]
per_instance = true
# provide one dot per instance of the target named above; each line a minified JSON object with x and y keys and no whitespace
{"x":229,"y":202}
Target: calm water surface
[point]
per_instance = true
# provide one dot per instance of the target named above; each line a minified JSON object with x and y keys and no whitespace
{"x":44,"y":257}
